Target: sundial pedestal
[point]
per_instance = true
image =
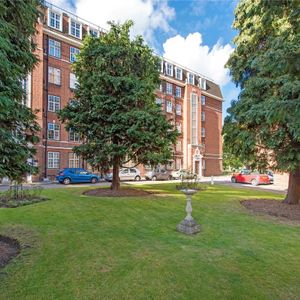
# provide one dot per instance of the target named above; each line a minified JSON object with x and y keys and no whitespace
{"x":188,"y":225}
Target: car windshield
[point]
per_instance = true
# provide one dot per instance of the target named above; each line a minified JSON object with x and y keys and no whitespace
{"x":245,"y":172}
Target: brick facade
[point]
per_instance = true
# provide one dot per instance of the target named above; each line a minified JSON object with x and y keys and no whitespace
{"x":201,"y":152}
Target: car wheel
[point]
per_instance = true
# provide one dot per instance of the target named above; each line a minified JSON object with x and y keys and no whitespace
{"x":66,"y":181}
{"x":233,"y":180}
{"x":154,"y":178}
{"x":94,"y":180}
{"x":254,"y":182}
{"x":137,"y":178}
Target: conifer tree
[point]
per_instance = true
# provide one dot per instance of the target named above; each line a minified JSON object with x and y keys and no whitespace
{"x":114,"y":109}
{"x":263,"y":125}
{"x":17,"y":121}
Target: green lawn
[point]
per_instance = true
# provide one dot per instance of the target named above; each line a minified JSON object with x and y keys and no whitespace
{"x":128,"y":248}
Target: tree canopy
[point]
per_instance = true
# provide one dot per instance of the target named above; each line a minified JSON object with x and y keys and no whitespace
{"x":17,"y":122}
{"x":263,"y":124}
{"x":114,"y":109}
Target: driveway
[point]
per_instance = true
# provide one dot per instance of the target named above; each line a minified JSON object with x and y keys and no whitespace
{"x":280,"y":183}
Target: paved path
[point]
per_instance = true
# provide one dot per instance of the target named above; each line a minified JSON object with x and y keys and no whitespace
{"x":280,"y":184}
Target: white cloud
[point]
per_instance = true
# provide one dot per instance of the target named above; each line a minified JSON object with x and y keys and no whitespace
{"x":148,"y":15}
{"x":190,"y":52}
{"x":63,"y":4}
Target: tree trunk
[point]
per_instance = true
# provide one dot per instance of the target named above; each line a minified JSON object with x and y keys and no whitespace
{"x":293,"y":193}
{"x":115,"y":186}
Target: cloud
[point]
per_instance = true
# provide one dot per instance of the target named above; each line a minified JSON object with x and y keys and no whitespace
{"x":191,"y":52}
{"x":148,"y":15}
{"x":67,"y":5}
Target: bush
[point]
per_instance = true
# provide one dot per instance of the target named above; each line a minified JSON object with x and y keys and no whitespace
{"x":18,"y":196}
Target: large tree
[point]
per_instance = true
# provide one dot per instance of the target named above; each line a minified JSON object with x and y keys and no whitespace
{"x":114,"y":110}
{"x":263,"y":125}
{"x":17,"y":122}
{"x":231,"y":161}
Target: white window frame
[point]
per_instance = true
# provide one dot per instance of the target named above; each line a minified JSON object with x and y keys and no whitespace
{"x":53,"y":103}
{"x":171,"y":69}
{"x":73,"y":160}
{"x":56,"y":131}
{"x":54,"y":158}
{"x":73,"y":52}
{"x":179,"y":127}
{"x":178,"y":109}
{"x":179,"y":146}
{"x":56,"y":47}
{"x":94,"y":30}
{"x":73,"y":81}
{"x":188,"y":78}
{"x":55,"y":74}
{"x":60,"y":19}
{"x":158,"y":101}
{"x":75,"y":134}
{"x":202,"y":83}
{"x":203,"y":116}
{"x":176,"y":73}
{"x":194,"y":118}
{"x":80,"y":28}
{"x":177,"y":89}
{"x":169,"y":88}
{"x":169,"y":106}
{"x":203,"y":99}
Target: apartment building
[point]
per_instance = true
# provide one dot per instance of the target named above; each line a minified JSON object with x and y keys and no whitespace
{"x":189,"y":100}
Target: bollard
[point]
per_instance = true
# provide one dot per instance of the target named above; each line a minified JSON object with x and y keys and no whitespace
{"x":212,"y":180}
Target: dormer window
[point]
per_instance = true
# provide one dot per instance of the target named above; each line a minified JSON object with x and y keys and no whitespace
{"x":169,"y":69}
{"x":55,"y":20}
{"x":178,"y":73}
{"x":191,"y":78}
{"x":161,"y":66}
{"x":93,"y":32}
{"x":202,"y":83}
{"x":75,"y":29}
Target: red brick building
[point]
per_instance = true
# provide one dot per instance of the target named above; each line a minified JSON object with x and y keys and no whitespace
{"x":191,"y":101}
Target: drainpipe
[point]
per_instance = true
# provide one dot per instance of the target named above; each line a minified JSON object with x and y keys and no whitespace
{"x":46,"y":110}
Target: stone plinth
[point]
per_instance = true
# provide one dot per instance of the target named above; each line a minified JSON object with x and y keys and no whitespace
{"x":188,"y":225}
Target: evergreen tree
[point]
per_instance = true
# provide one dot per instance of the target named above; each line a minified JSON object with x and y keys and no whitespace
{"x":263,"y":126}
{"x":17,"y":122}
{"x":231,"y":161}
{"x":114,"y":109}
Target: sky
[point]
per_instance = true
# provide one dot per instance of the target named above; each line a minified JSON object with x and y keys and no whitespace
{"x":197,"y":34}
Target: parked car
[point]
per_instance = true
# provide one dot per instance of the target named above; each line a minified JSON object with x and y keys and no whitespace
{"x":158,"y":174}
{"x":246,"y":176}
{"x":125,"y":174}
{"x":76,"y":175}
{"x":179,"y":174}
{"x":271,"y":176}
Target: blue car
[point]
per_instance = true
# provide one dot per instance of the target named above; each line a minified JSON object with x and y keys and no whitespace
{"x":76,"y":175}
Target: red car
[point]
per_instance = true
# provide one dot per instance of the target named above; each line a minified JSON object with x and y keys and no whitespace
{"x":246,"y":176}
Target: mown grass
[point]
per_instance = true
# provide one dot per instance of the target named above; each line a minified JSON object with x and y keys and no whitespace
{"x":127,"y":248}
